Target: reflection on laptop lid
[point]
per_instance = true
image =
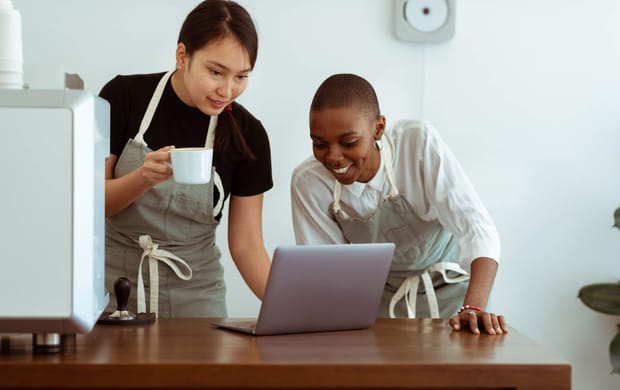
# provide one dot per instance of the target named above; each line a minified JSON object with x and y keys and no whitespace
{"x":313,"y":288}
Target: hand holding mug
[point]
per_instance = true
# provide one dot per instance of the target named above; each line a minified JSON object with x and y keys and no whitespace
{"x":156,"y":166}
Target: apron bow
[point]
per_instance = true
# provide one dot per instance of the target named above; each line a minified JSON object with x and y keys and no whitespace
{"x":154,"y":254}
{"x":409,"y":288}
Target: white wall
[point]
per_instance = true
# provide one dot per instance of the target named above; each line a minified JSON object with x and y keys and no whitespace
{"x":526,"y":94}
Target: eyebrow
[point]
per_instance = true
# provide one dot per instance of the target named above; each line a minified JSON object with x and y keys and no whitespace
{"x":347,"y":134}
{"x":227,"y":68}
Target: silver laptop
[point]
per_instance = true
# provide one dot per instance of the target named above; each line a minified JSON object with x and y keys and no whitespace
{"x":314,"y":288}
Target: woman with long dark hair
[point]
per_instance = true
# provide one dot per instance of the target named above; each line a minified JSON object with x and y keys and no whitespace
{"x":150,"y":219}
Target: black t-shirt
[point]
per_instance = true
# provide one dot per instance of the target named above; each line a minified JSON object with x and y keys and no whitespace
{"x":175,"y":123}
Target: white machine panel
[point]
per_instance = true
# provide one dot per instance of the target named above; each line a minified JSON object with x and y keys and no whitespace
{"x":36,"y":229}
{"x":52,"y":210}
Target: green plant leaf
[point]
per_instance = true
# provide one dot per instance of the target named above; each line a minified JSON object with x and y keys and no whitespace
{"x":616,"y":218}
{"x":614,"y":352}
{"x":601,"y":297}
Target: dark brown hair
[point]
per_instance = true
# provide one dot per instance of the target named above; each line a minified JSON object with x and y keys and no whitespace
{"x":210,"y":21}
{"x":346,"y":90}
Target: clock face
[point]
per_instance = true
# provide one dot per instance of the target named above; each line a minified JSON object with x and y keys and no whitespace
{"x":426,"y":15}
{"x":424,"y":20}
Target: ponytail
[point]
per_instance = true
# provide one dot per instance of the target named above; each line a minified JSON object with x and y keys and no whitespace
{"x":229,"y":137}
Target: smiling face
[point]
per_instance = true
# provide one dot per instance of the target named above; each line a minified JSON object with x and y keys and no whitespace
{"x":343,"y":140}
{"x":212,"y":77}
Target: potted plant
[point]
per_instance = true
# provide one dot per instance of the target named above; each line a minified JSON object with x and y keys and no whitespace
{"x":605,"y":298}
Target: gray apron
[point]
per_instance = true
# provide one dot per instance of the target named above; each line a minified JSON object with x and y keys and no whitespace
{"x":424,"y":251}
{"x":172,"y":224}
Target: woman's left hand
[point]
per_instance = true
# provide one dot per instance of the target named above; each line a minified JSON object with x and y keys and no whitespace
{"x":477,"y":321}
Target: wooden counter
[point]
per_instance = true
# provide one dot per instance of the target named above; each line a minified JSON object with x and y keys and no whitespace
{"x":190,"y":353}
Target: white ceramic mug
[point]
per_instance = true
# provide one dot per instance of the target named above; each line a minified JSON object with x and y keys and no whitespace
{"x":191,"y":165}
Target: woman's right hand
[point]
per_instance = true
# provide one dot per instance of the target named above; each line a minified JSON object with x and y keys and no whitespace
{"x":156,"y":167}
{"x":122,"y":191}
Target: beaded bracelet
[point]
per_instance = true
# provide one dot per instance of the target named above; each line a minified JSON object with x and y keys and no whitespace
{"x":469,"y":307}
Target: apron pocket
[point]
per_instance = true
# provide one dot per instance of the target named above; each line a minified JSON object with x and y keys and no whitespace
{"x":187,"y":217}
{"x":409,"y":247}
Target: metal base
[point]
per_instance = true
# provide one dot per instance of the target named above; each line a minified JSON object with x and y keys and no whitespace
{"x":42,"y":343}
{"x":45,"y":343}
{"x":51,"y":343}
{"x":108,"y":318}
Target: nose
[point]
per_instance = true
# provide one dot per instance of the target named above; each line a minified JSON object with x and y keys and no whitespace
{"x":333,"y":155}
{"x":225,"y":88}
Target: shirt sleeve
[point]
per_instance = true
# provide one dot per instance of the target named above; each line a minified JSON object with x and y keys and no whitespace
{"x":116,"y":94}
{"x":310,"y":202}
{"x":453,"y":199}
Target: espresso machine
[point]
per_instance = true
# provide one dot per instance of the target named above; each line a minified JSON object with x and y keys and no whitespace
{"x":52,"y":213}
{"x":55,"y":139}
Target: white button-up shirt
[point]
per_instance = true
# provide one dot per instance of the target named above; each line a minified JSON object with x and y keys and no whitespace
{"x":426,"y":173}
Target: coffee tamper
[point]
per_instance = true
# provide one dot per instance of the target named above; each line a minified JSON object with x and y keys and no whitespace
{"x":122,"y":316}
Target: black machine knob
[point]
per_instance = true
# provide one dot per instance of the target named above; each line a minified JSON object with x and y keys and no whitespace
{"x":122,"y":288}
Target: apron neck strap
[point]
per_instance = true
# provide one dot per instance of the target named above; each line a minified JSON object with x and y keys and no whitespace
{"x":386,"y":156}
{"x":210,"y":141}
{"x":150,"y":109}
{"x":150,"y":112}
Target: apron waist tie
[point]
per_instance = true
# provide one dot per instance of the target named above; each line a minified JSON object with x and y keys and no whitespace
{"x":409,"y":288}
{"x":154,"y":255}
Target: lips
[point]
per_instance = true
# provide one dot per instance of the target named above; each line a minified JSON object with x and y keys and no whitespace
{"x":218,"y":104}
{"x":341,"y":171}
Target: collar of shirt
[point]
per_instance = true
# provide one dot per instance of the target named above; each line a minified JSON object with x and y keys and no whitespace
{"x":376,"y":183}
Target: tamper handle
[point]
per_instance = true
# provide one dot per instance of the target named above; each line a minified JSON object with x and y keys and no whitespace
{"x":122,"y":287}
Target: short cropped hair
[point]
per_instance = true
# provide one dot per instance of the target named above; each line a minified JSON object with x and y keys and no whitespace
{"x":346,"y":90}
